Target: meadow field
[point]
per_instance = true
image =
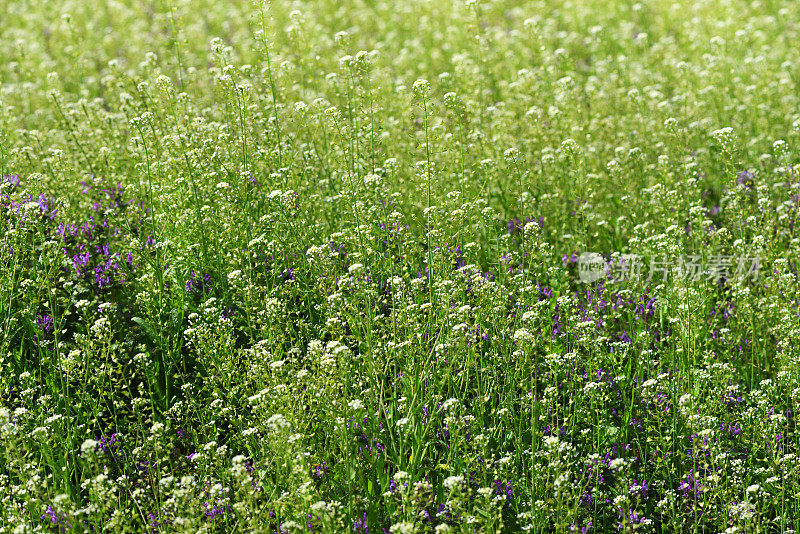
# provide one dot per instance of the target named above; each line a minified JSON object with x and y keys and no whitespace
{"x":411,"y":267}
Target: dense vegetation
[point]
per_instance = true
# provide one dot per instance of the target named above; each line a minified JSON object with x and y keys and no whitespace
{"x":322,"y":266}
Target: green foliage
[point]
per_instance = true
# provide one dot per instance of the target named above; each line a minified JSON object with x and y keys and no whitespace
{"x":318,"y":266}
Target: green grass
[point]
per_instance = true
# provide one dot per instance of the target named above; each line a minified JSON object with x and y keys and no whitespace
{"x":317,"y":266}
